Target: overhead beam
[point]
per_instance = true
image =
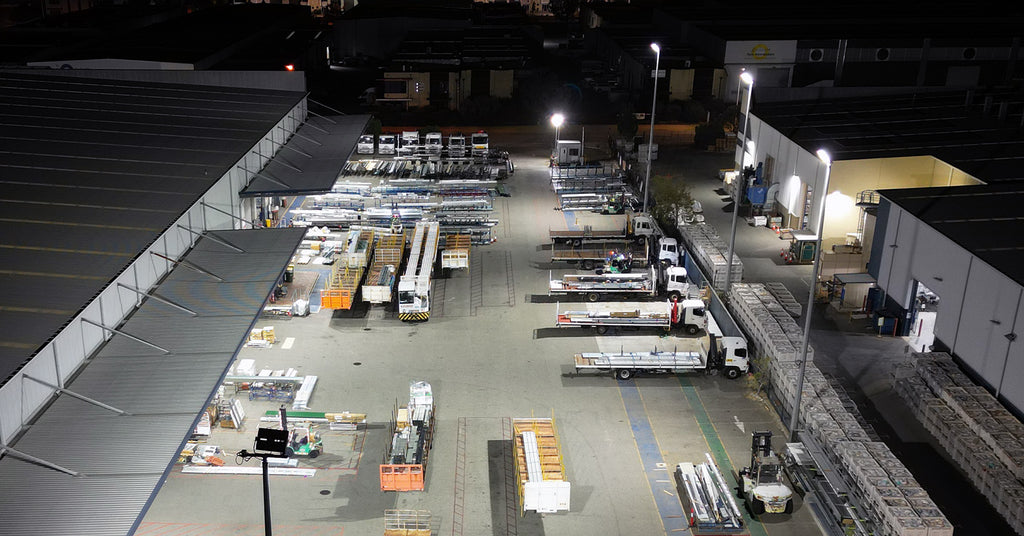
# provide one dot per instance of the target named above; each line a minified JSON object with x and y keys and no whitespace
{"x":128,"y":335}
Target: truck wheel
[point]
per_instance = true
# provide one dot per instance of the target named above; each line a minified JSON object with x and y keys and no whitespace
{"x":732,"y":373}
{"x":757,"y":506}
{"x":593,"y":297}
{"x":623,"y":374}
{"x":674,"y":295}
{"x":692,"y":330}
{"x":289,"y":452}
{"x":601,"y":330}
{"x":577,"y":243}
{"x":588,"y":264}
{"x":789,"y":506}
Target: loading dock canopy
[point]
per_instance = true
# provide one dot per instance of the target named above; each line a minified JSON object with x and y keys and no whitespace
{"x":115,"y":462}
{"x":312,"y":160}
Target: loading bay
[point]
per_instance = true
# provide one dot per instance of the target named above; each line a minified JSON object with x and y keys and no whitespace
{"x":490,"y":353}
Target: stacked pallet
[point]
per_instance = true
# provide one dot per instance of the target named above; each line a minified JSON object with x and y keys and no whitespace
{"x":900,"y":503}
{"x":711,"y":253}
{"x":831,"y":418}
{"x":973,"y":427}
{"x":455,"y":254}
{"x":785,"y":298}
{"x":775,"y":334}
{"x":540,"y":473}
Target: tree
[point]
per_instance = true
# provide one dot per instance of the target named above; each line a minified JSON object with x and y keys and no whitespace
{"x":373,"y":126}
{"x":672,"y":198}
{"x":627,"y":124}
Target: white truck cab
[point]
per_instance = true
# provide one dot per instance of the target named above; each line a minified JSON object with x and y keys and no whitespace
{"x":433,"y":142}
{"x":691,"y":314}
{"x":456,"y":146}
{"x":365,"y":144}
{"x":668,"y":251}
{"x":734,"y":352}
{"x":386,"y":144}
{"x":673,"y":280}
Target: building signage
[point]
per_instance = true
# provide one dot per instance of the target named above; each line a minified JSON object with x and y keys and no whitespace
{"x":746,"y":52}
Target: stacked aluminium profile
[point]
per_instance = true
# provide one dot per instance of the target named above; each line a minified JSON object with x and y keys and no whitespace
{"x":981,"y":436}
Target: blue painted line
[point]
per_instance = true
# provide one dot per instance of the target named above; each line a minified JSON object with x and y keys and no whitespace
{"x":570,"y":220}
{"x":659,"y":475}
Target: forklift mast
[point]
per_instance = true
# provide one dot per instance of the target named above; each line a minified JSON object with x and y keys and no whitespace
{"x":761,"y":446}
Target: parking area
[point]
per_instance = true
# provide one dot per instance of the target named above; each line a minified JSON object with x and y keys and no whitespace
{"x":481,"y":353}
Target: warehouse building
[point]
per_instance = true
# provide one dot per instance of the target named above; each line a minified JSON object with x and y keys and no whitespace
{"x":134,"y":270}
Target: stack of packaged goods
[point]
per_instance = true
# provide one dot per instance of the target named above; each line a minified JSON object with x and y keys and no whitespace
{"x":830,"y":417}
{"x":775,"y":334}
{"x":981,"y":436}
{"x":711,"y":253}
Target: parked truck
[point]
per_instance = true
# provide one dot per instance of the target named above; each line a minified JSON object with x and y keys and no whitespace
{"x":380,"y":278}
{"x":456,"y":146}
{"x":433,"y":143}
{"x":414,"y":286}
{"x":590,"y":254}
{"x":365,"y":144}
{"x":669,"y":281}
{"x":639,"y":228}
{"x":480,"y":143}
{"x":386,"y":144}
{"x":409,"y":143}
{"x":690,"y":315}
{"x":728,"y":354}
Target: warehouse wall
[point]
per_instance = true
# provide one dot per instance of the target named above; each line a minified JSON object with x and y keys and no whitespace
{"x":978,"y":305}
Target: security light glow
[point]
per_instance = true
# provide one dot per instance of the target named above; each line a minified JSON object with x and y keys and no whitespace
{"x":656,"y":48}
{"x":557,"y":120}
{"x":747,"y":78}
{"x":823,"y":155}
{"x":289,"y":67}
{"x":750,"y":146}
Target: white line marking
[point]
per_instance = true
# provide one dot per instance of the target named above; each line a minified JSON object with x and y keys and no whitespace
{"x":288,"y":342}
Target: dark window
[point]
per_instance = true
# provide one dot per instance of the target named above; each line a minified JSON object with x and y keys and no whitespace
{"x":970,"y":53}
{"x":396,"y":86}
{"x":882,"y":54}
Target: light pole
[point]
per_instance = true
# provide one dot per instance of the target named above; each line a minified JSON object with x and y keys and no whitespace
{"x":556,"y":121}
{"x":794,"y":417}
{"x":650,"y":140}
{"x":745,"y":78}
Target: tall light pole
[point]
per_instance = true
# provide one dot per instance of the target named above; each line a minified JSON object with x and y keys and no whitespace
{"x":745,"y":78}
{"x":650,"y":140}
{"x":795,"y":416}
{"x":556,"y":121}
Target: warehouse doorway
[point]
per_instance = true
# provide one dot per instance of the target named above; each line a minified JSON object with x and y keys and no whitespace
{"x":921,"y":335}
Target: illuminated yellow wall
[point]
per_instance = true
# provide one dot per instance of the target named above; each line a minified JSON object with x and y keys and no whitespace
{"x":851,"y":177}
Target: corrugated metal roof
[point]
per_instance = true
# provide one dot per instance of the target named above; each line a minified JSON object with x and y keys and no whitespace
{"x":984,"y":219}
{"x":92,"y":172}
{"x":123,"y":458}
{"x":956,"y":127}
{"x":312,"y":160}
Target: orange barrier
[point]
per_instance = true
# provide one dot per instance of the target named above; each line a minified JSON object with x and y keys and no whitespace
{"x":406,"y":477}
{"x":336,"y":299}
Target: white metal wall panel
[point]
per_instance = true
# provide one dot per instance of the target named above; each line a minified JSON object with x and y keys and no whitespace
{"x":69,"y":348}
{"x":147,"y":268}
{"x":896,"y":272}
{"x":93,"y":336}
{"x":989,"y":306}
{"x":110,"y":303}
{"x":1010,"y":387}
{"x":942,"y":266}
{"x":10,"y":409}
{"x":220,"y":197}
{"x":33,"y":392}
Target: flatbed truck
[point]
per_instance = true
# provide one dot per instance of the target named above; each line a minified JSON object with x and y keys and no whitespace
{"x":670,"y":281}
{"x":728,"y":354}
{"x":414,"y":286}
{"x":590,"y":254}
{"x":691,"y":315}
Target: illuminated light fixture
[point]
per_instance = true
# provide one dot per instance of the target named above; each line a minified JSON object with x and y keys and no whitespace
{"x":747,"y":78}
{"x":289,"y":67}
{"x":557,"y":120}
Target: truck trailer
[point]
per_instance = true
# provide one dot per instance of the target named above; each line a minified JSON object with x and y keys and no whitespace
{"x":414,"y":286}
{"x":593,"y":253}
{"x":670,"y":281}
{"x":728,"y":354}
{"x":691,"y":315}
{"x":640,"y":228}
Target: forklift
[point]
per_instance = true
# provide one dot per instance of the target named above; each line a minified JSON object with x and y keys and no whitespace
{"x":762,"y":483}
